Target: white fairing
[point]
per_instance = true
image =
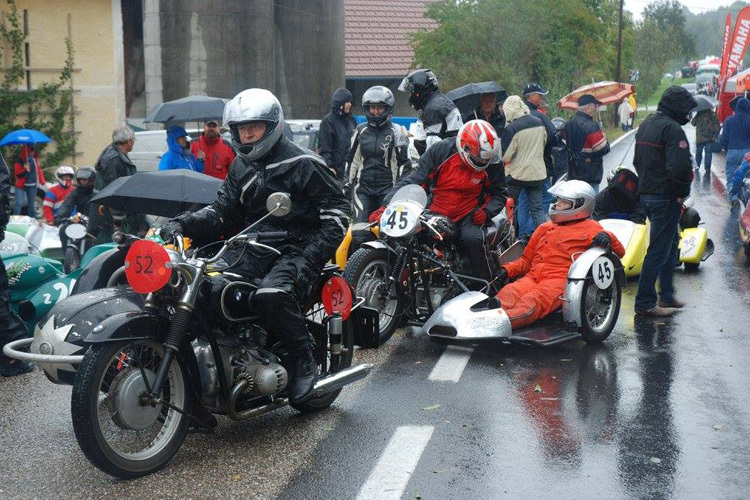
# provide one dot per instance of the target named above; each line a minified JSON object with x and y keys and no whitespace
{"x":456,"y":320}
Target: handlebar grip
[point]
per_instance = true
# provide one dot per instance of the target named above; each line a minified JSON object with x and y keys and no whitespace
{"x":272,"y":235}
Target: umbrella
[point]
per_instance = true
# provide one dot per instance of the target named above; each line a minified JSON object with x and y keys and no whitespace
{"x":705,"y":103}
{"x":188,"y":109}
{"x":24,"y":136}
{"x":166,"y":193}
{"x":605,"y":92}
{"x":466,"y":98}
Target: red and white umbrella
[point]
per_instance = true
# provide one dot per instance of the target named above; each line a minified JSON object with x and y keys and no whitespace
{"x":605,"y":92}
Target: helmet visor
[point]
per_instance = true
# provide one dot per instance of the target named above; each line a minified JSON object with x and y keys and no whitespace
{"x":406,"y":85}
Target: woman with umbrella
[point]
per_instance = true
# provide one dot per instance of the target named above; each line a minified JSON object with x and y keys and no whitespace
{"x":28,"y":176}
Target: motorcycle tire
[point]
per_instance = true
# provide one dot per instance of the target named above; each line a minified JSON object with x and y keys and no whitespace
{"x":72,"y":260}
{"x":608,"y":300}
{"x":347,"y":347}
{"x":376,"y":260}
{"x":106,"y":366}
{"x":691,"y":267}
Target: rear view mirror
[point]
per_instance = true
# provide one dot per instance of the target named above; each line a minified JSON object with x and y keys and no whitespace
{"x":279,"y":204}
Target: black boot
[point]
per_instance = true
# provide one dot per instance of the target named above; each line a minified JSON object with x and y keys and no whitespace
{"x":304,"y":369}
{"x":12,"y":367}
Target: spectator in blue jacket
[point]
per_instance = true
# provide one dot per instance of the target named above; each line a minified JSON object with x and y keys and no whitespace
{"x":179,"y":154}
{"x":739,"y":176}
{"x":735,"y":139}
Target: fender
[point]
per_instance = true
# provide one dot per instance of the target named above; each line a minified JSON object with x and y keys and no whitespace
{"x":98,"y":271}
{"x":577,"y":275}
{"x":130,"y":325}
{"x":376,"y":245}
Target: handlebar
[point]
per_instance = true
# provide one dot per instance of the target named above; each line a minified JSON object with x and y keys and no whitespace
{"x":426,"y":223}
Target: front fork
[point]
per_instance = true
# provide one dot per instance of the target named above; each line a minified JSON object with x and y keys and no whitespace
{"x":179,"y":328}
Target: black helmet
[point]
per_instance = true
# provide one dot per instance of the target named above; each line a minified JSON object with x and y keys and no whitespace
{"x":420,"y":84}
{"x":86,"y":174}
{"x":378,"y":96}
{"x":559,"y":123}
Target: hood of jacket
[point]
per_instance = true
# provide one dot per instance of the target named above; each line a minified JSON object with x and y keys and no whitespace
{"x":173,"y":132}
{"x":743,"y":106}
{"x":338,"y":99}
{"x":514,"y":108}
{"x":677,"y":103}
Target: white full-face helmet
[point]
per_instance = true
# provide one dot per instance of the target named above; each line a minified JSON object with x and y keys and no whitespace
{"x":254,"y":105}
{"x":580,"y":194}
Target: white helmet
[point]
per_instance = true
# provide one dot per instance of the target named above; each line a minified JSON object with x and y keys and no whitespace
{"x":65,"y":170}
{"x":254,"y":105}
{"x":580,"y":194}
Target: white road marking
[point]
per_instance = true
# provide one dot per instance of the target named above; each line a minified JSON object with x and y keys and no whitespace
{"x":451,"y":364}
{"x":391,"y":474}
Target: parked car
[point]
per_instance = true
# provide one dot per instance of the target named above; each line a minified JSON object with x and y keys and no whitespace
{"x":687,"y":72}
{"x":305,"y":133}
{"x":150,"y":146}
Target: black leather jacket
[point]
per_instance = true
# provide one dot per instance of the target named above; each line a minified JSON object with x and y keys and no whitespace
{"x":78,"y":200}
{"x":320,"y":212}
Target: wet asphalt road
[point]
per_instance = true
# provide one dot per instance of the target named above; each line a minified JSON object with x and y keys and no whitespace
{"x":661,"y":410}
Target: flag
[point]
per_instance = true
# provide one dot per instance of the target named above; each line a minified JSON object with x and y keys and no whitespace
{"x":738,"y":46}
{"x":725,"y":47}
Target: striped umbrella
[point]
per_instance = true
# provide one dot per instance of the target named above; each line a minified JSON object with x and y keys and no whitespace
{"x":605,"y":92}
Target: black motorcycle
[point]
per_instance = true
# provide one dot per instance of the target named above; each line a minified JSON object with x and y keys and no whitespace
{"x":416,"y":265}
{"x":78,"y":236}
{"x":171,"y":361}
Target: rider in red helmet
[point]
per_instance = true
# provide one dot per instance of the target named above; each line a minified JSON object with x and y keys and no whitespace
{"x":465,"y":179}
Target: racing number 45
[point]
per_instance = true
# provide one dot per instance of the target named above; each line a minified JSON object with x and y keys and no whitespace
{"x":403,"y":220}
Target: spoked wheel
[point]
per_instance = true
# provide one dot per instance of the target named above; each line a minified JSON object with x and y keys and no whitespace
{"x":328,"y":362}
{"x":599,"y":310}
{"x":367,"y":272}
{"x":117,"y":429}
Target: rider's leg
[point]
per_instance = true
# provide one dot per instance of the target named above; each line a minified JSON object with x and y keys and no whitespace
{"x":536,"y":303}
{"x":471,"y":242}
{"x":511,"y":293}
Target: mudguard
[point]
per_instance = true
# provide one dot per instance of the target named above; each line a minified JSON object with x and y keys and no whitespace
{"x":693,"y":245}
{"x":129,"y":325}
{"x":577,"y":275}
{"x":377,"y":245}
{"x":96,"y":274}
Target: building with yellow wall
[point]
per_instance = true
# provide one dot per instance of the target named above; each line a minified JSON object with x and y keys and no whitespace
{"x":95,"y":29}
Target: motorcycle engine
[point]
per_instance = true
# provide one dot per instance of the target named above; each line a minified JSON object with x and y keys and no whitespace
{"x":264,"y":377}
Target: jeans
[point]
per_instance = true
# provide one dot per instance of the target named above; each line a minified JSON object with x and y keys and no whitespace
{"x":661,"y":257}
{"x":700,"y":148}
{"x":30,"y":193}
{"x":525,"y":222}
{"x":734,"y":158}
{"x":531,"y":216}
{"x":625,"y":127}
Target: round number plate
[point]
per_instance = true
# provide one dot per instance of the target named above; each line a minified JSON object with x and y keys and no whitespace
{"x":399,"y":219}
{"x":146,"y":266}
{"x":337,"y":297}
{"x":603,"y":272}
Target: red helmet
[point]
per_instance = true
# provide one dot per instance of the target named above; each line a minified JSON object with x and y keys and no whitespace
{"x":477,"y":143}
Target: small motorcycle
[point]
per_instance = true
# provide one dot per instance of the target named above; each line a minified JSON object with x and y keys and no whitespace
{"x":159,"y":359}
{"x":78,"y":236}
{"x":416,"y":266}
{"x":744,"y":215}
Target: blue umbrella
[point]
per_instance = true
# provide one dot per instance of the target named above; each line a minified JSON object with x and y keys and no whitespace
{"x":24,"y":136}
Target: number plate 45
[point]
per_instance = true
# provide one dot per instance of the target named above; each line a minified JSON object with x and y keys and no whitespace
{"x":400,"y":219}
{"x":603,"y":272}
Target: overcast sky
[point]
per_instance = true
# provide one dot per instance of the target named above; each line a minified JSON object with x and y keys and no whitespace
{"x":695,"y":6}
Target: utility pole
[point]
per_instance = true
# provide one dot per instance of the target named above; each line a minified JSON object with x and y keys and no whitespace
{"x":618,"y":71}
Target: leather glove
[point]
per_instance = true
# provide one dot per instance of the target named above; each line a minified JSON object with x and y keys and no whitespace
{"x":169,"y":229}
{"x":502,"y":278}
{"x":376,"y":215}
{"x":479,"y":217}
{"x":602,"y":240}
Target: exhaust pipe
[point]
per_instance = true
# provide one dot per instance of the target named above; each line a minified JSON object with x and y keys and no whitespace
{"x":322,"y":387}
{"x":338,"y":380}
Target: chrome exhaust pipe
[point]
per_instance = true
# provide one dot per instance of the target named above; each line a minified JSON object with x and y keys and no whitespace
{"x":338,"y":380}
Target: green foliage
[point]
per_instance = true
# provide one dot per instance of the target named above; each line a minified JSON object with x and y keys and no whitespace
{"x":562,"y":44}
{"x":47,"y":107}
{"x":707,"y":29}
{"x":660,"y":37}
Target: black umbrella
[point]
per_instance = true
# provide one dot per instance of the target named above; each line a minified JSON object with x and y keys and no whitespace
{"x":197,"y":108}
{"x":165,"y":193}
{"x":466,"y":98}
{"x":704,"y":103}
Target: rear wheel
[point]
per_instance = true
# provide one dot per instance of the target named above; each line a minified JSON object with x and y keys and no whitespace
{"x":599,"y":310}
{"x":368,"y":273}
{"x":118,"y":430}
{"x":72,"y":260}
{"x":691,"y":267}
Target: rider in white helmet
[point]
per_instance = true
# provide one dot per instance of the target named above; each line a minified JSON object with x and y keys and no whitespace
{"x":55,"y":195}
{"x":541,"y":272}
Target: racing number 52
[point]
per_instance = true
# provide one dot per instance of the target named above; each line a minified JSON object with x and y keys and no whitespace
{"x":143,"y":264}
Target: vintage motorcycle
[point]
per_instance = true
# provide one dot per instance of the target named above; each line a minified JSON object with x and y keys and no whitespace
{"x":78,"y":238}
{"x":159,"y":359}
{"x":744,"y":215}
{"x":416,"y":266}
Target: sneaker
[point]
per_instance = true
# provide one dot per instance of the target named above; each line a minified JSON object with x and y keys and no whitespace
{"x":13,"y":367}
{"x":672,"y":304}
{"x":657,"y":311}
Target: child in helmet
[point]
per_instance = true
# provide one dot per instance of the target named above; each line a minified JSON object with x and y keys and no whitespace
{"x":619,"y":200}
{"x":542,"y":270}
{"x":55,"y":196}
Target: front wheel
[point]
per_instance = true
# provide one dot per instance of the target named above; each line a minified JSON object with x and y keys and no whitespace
{"x":117,"y":429}
{"x":72,"y":260}
{"x":599,"y":310}
{"x":368,"y":273}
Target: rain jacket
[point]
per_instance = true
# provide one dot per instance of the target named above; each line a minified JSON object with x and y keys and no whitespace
{"x":552,"y":136}
{"x":456,"y":189}
{"x":79,"y":201}
{"x":177,"y":157}
{"x":707,"y":126}
{"x":53,"y":199}
{"x":496,"y":119}
{"x":378,"y":156}
{"x":336,"y":130}
{"x":24,"y":178}
{"x":112,"y":163}
{"x":662,"y":153}
{"x":587,"y":146}
{"x":736,"y":132}
{"x":543,"y":268}
{"x":625,"y":113}
{"x":440,"y":119}
{"x":219,"y":155}
{"x":524,"y":144}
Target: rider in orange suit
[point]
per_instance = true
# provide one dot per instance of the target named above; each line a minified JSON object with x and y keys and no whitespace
{"x":543,"y":268}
